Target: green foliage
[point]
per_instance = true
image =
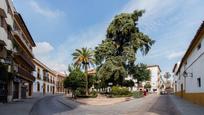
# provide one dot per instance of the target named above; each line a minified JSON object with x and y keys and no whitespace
{"x":128,"y":83}
{"x":117,"y":52}
{"x":84,"y":58}
{"x":94,"y":94}
{"x":147,"y":86}
{"x":99,"y":85}
{"x":91,"y":80}
{"x":140,"y":72}
{"x":80,"y":92}
{"x":120,"y":91}
{"x":75,"y":81}
{"x":73,"y":67}
{"x":112,"y":71}
{"x":137,"y":94}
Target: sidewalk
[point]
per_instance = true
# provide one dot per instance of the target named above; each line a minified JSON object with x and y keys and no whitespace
{"x":21,"y":107}
{"x":185,"y":107}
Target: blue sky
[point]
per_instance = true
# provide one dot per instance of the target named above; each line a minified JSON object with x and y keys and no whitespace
{"x":58,"y":28}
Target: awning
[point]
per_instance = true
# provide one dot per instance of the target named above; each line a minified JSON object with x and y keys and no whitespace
{"x":2,"y":13}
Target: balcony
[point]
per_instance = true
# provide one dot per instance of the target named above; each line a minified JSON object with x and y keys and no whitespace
{"x":21,"y":55}
{"x":20,"y":38}
{"x":25,"y":74}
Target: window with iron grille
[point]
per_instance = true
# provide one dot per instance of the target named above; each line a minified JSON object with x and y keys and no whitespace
{"x":38,"y":86}
{"x":199,"y":82}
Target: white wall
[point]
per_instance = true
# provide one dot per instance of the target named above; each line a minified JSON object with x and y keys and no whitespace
{"x":155,"y":73}
{"x":195,"y":65}
{"x":41,"y":82}
{"x":9,"y":20}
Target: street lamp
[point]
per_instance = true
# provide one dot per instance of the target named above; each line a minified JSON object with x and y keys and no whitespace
{"x":185,"y":74}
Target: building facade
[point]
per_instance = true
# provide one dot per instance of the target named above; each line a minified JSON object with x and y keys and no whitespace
{"x":155,"y":78}
{"x":176,"y":79}
{"x":45,"y":82}
{"x":189,"y":77}
{"x":59,"y":83}
{"x":16,"y":53}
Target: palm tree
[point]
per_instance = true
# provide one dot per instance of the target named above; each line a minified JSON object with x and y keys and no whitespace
{"x":84,"y":59}
{"x":73,"y":67}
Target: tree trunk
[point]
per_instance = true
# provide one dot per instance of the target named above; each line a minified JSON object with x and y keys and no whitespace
{"x":86,"y":75}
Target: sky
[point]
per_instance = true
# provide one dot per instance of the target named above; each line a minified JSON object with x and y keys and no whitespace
{"x":58,"y":28}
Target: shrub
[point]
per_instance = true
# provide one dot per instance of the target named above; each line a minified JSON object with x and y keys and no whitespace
{"x":147,"y":86}
{"x":80,"y":92}
{"x":120,"y":91}
{"x":137,"y":94}
{"x":94,"y":94}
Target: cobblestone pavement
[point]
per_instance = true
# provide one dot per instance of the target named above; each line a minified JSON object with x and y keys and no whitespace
{"x":150,"y":105}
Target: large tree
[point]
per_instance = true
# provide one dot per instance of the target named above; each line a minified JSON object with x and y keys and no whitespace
{"x":117,"y":53}
{"x":75,"y":80}
{"x":84,"y":59}
{"x":141,"y":73}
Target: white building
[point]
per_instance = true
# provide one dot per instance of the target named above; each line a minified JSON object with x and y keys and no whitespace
{"x":45,"y":82}
{"x":154,"y":81}
{"x":6,"y":18}
{"x":176,"y":80}
{"x":155,"y":77}
{"x":189,"y":77}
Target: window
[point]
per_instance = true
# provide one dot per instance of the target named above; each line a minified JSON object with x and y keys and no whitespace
{"x":48,"y":88}
{"x":3,"y":22}
{"x":199,"y":46}
{"x":38,"y":73}
{"x":199,"y":82}
{"x":38,"y":86}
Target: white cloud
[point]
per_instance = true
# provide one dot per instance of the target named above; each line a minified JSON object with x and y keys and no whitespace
{"x":44,"y":11}
{"x":162,"y":22}
{"x":47,"y":54}
{"x":175,"y":55}
{"x":172,"y":23}
{"x":59,"y":58}
{"x":43,"y":48}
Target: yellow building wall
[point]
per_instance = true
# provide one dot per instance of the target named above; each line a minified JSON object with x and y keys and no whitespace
{"x":196,"y":98}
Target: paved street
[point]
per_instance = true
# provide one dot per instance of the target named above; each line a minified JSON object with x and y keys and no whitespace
{"x":151,"y":105}
{"x":48,"y":106}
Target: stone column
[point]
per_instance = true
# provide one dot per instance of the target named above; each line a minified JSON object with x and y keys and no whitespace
{"x":10,"y":91}
{"x":19,"y":90}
